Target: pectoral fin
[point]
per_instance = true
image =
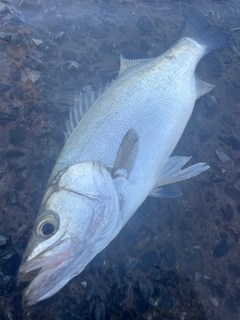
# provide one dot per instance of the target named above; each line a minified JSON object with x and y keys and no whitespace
{"x":168,"y":191}
{"x":127,"y":153}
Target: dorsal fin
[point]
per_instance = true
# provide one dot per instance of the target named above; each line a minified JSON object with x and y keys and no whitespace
{"x":82,"y":103}
{"x":127,"y":63}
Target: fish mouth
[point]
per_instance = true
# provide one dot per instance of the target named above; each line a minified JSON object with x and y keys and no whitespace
{"x":46,"y":273}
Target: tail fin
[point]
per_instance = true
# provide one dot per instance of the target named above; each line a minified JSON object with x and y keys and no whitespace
{"x":199,"y":29}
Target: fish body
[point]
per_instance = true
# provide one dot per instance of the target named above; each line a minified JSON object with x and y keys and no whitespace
{"x":117,"y":155}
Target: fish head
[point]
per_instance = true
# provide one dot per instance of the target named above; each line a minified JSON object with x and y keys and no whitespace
{"x":78,"y":217}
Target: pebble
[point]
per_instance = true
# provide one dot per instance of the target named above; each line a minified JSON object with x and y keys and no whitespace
{"x":15,"y":74}
{"x":167,"y":301}
{"x":145,"y":289}
{"x":98,"y":32}
{"x":6,"y":37}
{"x":234,"y":270}
{"x":232,"y":190}
{"x":144,"y":24}
{"x":235,"y":143}
{"x":11,"y":154}
{"x":15,"y":137}
{"x":32,"y":62}
{"x":3,"y":240}
{"x":50,"y":82}
{"x":4,"y":87}
{"x":221,"y":249}
{"x":67,"y":314}
{"x":5,"y":118}
{"x":227,"y":212}
{"x":71,"y":84}
{"x":6,"y":284}
{"x":69,"y":55}
{"x":170,"y":256}
{"x":214,"y":301}
{"x":231,"y":305}
{"x":147,"y":261}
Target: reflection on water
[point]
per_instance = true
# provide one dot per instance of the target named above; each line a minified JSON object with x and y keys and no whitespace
{"x":175,"y":259}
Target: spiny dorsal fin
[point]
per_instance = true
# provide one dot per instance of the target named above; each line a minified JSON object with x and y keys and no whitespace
{"x":127,"y":63}
{"x":82,"y":103}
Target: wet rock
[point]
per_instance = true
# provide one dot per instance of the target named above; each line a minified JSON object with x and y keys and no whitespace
{"x":11,"y":198}
{"x":145,"y":289}
{"x":16,"y":20}
{"x":234,"y":270}
{"x":50,"y":82}
{"x":147,"y":261}
{"x":69,"y":55}
{"x":29,"y":107}
{"x":235,"y":143}
{"x":144,"y":24}
{"x":15,"y":74}
{"x":167,"y":301}
{"x":231,"y":305}
{"x":227,"y":212}
{"x":67,"y":314}
{"x":19,"y":185}
{"x":11,"y":154}
{"x":6,"y":37}
{"x":170,"y":256}
{"x":4,"y":87}
{"x":32,"y":63}
{"x":15,"y":136}
{"x":170,"y":281}
{"x":124,"y":296}
{"x":221,"y":249}
{"x":3,"y":240}
{"x":6,"y":284}
{"x":232,"y":190}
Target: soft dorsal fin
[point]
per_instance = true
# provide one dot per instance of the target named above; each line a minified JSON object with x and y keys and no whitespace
{"x":82,"y":103}
{"x":127,"y":63}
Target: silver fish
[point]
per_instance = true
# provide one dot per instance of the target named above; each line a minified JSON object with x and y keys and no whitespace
{"x":118,"y":152}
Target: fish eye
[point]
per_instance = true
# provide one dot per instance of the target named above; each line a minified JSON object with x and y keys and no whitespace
{"x":47,"y":226}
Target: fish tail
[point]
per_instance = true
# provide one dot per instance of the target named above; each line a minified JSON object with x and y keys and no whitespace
{"x":199,"y":29}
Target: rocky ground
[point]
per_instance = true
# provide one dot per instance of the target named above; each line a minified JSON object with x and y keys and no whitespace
{"x":176,"y":259}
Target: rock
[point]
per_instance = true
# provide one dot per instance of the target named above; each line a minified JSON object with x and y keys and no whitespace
{"x":15,"y":137}
{"x":147,"y":261}
{"x":235,"y":143}
{"x":227,"y":212}
{"x":67,"y":314}
{"x":231,"y":305}
{"x":170,"y":256}
{"x":216,"y":289}
{"x":69,"y":55}
{"x":232,"y":190}
{"x":15,"y":74}
{"x":7,"y":260}
{"x":145,"y":289}
{"x":141,"y":306}
{"x":167,"y":301}
{"x":6,"y":284}
{"x":30,"y":8}
{"x":97,"y":32}
{"x":5,"y":118}
{"x":221,"y":249}
{"x":4,"y":87}
{"x":11,"y":154}
{"x":71,"y":84}
{"x":6,"y":37}
{"x":32,"y":62}
{"x":144,"y":24}
{"x":50,"y":82}
{"x":3,"y":240}
{"x":124,"y":297}
{"x":18,"y":92}
{"x":234,"y":270}
{"x":55,"y":23}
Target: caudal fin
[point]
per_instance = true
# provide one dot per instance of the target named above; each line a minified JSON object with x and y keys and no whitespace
{"x":200,"y":30}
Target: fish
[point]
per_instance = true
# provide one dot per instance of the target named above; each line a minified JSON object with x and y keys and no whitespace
{"x":118,"y":151}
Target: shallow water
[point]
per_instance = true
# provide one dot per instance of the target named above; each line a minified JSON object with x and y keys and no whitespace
{"x":175,"y":259}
